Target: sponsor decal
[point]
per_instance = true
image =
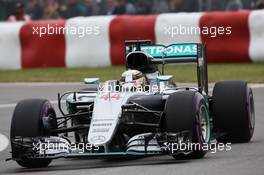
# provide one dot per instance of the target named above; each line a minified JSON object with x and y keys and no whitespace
{"x":175,"y":50}
{"x":96,"y":130}
{"x":98,"y":139}
{"x":102,"y":124}
{"x":99,"y":120}
{"x":108,"y":97}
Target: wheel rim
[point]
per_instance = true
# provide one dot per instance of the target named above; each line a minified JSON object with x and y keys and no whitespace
{"x":48,"y":117}
{"x":204,"y":124}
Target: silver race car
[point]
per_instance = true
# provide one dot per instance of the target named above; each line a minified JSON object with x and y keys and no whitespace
{"x":144,"y":113}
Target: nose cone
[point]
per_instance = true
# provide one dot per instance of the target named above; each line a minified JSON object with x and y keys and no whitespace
{"x":107,"y":109}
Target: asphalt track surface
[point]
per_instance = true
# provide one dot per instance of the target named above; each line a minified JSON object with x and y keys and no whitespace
{"x":243,"y":159}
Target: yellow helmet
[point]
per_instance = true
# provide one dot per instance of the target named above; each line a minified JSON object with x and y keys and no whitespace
{"x":133,"y":76}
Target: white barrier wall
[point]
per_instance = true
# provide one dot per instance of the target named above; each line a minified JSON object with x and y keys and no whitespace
{"x":22,"y":46}
{"x":256,"y":28}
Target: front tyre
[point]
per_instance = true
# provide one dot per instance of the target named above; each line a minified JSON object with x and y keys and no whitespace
{"x":31,"y":118}
{"x":187,"y":111}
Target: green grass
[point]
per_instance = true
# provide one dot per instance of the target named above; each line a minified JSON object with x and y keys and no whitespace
{"x":253,"y":73}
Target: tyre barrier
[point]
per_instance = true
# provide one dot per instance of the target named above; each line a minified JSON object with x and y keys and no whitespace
{"x":99,"y":40}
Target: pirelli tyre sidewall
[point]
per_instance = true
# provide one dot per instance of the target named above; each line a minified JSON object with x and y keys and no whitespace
{"x":188,"y":111}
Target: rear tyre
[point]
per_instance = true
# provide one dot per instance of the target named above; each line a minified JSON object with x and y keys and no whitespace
{"x":233,"y":111}
{"x":31,"y":118}
{"x":187,"y":110}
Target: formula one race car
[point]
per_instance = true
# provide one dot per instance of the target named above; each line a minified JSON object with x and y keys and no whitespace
{"x":145,"y":113}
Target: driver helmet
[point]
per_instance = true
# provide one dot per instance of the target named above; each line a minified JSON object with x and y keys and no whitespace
{"x":134,"y":77}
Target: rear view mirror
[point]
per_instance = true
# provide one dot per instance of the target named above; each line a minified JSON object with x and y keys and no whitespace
{"x":91,"y":80}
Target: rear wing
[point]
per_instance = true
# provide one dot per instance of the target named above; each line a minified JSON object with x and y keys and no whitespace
{"x":174,"y":53}
{"x":140,"y":54}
